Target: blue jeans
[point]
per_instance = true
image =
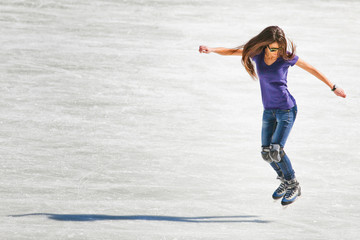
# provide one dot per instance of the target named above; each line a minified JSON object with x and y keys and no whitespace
{"x":276,"y":127}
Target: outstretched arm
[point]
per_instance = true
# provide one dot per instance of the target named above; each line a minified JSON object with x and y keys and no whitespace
{"x":221,"y":50}
{"x":304,"y":65}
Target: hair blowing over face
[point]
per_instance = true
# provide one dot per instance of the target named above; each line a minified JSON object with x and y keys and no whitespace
{"x":257,"y":44}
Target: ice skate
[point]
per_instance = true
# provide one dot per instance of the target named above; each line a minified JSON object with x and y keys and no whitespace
{"x":281,"y":190}
{"x":293,"y":191}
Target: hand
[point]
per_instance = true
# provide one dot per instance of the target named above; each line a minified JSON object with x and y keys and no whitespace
{"x":340,"y":92}
{"x":205,"y":49}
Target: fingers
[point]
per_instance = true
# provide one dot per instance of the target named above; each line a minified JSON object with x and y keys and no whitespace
{"x":343,"y":94}
{"x":204,"y":49}
{"x":340,"y":92}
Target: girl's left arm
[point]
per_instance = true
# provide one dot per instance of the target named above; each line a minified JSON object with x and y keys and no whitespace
{"x":304,"y":65}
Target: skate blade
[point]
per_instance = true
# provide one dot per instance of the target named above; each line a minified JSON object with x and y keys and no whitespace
{"x":287,"y":205}
{"x":276,"y":199}
{"x":284,"y":207}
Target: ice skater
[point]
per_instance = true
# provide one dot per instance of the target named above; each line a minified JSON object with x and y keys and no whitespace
{"x":273,"y":54}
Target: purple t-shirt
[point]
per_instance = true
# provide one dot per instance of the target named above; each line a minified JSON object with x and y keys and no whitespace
{"x":273,"y":82}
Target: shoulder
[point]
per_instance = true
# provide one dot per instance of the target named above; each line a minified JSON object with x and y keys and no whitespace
{"x":291,"y":61}
{"x":256,"y":57}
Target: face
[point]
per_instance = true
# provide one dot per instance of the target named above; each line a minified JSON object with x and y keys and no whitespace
{"x":272,"y":49}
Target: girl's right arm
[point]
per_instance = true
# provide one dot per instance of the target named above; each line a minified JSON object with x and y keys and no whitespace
{"x":221,"y":50}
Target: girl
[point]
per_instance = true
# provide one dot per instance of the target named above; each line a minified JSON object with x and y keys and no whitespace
{"x":269,"y":52}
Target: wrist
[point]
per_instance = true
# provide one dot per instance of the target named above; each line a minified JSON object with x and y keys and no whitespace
{"x":334,"y":87}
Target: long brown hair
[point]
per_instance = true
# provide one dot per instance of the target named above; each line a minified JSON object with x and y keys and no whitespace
{"x":257,"y":44}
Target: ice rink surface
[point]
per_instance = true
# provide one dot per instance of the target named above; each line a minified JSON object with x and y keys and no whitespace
{"x":113,"y":126}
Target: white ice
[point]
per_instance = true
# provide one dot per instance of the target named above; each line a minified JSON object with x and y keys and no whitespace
{"x":113,"y":126}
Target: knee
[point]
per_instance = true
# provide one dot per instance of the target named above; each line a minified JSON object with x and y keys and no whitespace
{"x":276,"y":152}
{"x":265,"y":154}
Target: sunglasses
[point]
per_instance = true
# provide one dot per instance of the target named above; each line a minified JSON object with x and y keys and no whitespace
{"x":272,"y":49}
